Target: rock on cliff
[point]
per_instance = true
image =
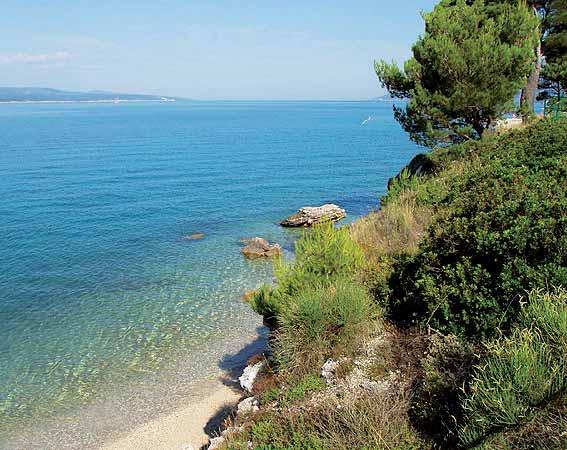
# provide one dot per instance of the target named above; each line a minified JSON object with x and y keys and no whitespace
{"x":419,"y":166}
{"x":312,"y":215}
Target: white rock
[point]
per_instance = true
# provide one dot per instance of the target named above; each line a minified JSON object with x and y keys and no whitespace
{"x":328,"y":371}
{"x":232,"y":430}
{"x":248,"y":377}
{"x":247,"y":406}
{"x":312,"y":215}
{"x":216,"y":442}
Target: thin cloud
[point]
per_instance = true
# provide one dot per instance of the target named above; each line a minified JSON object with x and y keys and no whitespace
{"x":35,"y":58}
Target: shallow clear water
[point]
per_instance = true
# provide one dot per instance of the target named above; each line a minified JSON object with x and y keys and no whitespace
{"x":98,"y":286}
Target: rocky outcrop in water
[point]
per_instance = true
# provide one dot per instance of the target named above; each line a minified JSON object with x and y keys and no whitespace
{"x":312,"y":215}
{"x":260,"y":248}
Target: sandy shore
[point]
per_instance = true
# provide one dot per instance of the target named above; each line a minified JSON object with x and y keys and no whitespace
{"x":184,"y":429}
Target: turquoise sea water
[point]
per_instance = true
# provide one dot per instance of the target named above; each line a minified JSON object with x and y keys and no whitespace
{"x":99,"y":288}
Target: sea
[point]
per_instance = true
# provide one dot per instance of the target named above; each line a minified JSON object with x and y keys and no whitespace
{"x":110,"y":312}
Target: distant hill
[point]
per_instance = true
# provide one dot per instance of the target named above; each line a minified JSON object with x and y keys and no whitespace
{"x":383,"y":98}
{"x":16,"y":94}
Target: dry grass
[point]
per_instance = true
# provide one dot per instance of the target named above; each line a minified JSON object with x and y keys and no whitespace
{"x":365,"y":422}
{"x":379,"y":422}
{"x":396,"y":229}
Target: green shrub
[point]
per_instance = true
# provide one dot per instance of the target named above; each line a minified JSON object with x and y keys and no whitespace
{"x":405,"y":181}
{"x":546,"y":430}
{"x":323,"y":254}
{"x":321,"y":320}
{"x":435,"y":407}
{"x":281,"y":433}
{"x":520,"y":373}
{"x":500,"y":229}
{"x":307,"y":385}
{"x":270,"y":395}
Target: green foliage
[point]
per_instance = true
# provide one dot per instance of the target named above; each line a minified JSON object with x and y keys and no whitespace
{"x":319,"y":321}
{"x":272,"y":434}
{"x":500,"y":229}
{"x":521,"y":372}
{"x":436,"y":408}
{"x":264,"y":302}
{"x":307,"y":385}
{"x":405,"y":181}
{"x":465,"y":70}
{"x":298,"y":390}
{"x":553,"y":83}
{"x":555,"y":39}
{"x":271,"y":395}
{"x":323,"y":254}
{"x":545,"y":430}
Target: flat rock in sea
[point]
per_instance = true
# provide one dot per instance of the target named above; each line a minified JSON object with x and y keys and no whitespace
{"x":260,"y":248}
{"x":194,"y":237}
{"x":312,"y":215}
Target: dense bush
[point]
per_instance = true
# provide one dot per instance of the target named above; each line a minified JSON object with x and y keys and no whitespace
{"x":319,"y":322}
{"x":500,"y":229}
{"x":436,"y":404}
{"x":322,"y":255}
{"x":520,"y":373}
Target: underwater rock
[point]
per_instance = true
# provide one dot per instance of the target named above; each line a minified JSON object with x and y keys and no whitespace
{"x":194,"y":237}
{"x":260,"y":248}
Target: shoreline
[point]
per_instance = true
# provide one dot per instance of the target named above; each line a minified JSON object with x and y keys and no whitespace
{"x":185,"y":428}
{"x":163,"y":412}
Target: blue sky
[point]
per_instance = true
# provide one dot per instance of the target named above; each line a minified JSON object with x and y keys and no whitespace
{"x":207,"y":50}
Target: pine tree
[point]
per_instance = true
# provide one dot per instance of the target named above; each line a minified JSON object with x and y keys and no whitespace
{"x":540,"y":9}
{"x":553,"y":83}
{"x":465,"y":70}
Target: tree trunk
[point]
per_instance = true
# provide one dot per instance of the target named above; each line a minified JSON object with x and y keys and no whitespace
{"x":528,"y":96}
{"x":479,"y":128}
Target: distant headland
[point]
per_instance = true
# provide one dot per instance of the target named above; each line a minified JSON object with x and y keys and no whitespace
{"x":47,"y":95}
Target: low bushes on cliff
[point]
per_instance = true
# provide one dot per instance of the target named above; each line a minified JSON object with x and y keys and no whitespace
{"x":456,"y":251}
{"x":320,"y":322}
{"x":521,"y":373}
{"x":436,"y":407}
{"x":364,"y":422}
{"x":322,"y":255}
{"x":500,"y":228}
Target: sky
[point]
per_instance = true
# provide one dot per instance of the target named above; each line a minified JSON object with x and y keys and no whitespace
{"x":207,"y":50}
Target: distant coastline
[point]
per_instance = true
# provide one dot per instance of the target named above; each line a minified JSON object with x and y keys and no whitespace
{"x":48,"y":95}
{"x":164,"y":100}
